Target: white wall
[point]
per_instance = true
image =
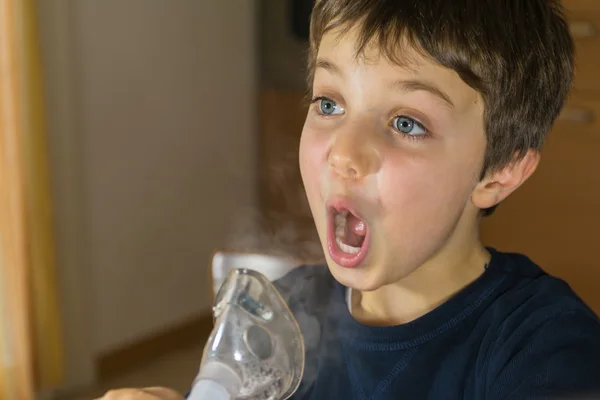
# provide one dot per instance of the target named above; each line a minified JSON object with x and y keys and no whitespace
{"x":153,"y":152}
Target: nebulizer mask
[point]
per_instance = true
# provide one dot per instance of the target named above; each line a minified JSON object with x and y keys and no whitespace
{"x":256,"y":349}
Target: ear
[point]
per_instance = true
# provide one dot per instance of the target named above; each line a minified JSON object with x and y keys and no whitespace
{"x":499,"y":184}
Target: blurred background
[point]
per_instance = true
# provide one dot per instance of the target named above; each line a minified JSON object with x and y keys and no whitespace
{"x":149,"y":150}
{"x":140,"y":136}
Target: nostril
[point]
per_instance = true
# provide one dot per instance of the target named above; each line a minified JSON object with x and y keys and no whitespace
{"x":347,"y":172}
{"x":344,"y":167}
{"x":351,"y":173}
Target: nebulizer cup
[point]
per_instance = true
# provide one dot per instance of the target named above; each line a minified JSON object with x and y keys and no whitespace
{"x":256,"y":349}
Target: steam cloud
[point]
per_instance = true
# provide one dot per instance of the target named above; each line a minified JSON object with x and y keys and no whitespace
{"x":286,"y":229}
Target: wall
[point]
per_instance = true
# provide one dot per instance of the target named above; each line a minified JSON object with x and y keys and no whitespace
{"x":282,"y":55}
{"x":74,"y":272}
{"x":153,"y":152}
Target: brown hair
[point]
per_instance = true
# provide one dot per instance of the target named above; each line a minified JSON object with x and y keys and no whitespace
{"x":517,"y":53}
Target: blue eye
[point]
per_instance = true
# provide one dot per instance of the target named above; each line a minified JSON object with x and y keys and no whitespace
{"x":328,"y":106}
{"x":409,"y":126}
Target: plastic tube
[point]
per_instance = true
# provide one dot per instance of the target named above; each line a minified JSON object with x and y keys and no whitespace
{"x":206,"y":389}
{"x":216,"y":381}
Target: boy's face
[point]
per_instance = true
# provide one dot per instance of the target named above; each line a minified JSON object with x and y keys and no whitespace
{"x":389,"y":157}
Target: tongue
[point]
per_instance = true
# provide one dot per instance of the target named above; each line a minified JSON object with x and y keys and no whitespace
{"x":355,"y":231}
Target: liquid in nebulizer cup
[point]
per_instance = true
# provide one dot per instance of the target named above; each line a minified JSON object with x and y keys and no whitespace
{"x":256,"y":349}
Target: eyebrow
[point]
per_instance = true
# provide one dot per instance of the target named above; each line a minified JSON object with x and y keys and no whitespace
{"x":414,"y":85}
{"x":329,"y":66}
{"x":411,"y":85}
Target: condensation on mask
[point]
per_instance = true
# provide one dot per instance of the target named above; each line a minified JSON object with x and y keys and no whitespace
{"x":256,"y":349}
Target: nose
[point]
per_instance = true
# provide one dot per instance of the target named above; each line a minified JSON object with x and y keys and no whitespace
{"x":353,"y":156}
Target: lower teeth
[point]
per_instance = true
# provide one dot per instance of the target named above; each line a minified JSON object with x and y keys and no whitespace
{"x":340,"y":232}
{"x":346,"y":248}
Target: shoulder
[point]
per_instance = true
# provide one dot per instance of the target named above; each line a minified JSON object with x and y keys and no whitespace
{"x":547,"y":354}
{"x":547,"y":339}
{"x":531,"y":295}
{"x":532,"y":299}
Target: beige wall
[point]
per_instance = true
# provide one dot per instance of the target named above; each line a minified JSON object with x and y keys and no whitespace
{"x":153,"y":151}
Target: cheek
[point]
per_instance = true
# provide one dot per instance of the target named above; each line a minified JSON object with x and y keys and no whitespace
{"x":312,"y":159}
{"x":424,"y":192}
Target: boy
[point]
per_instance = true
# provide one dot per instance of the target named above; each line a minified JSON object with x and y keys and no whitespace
{"x":425,"y":115}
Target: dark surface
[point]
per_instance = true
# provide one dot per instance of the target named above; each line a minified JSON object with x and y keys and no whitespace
{"x":300,"y":11}
{"x":514,"y":333}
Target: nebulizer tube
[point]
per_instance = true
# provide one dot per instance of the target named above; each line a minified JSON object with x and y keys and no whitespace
{"x":256,"y":349}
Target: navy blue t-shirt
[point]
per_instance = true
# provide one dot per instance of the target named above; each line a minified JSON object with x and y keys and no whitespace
{"x":514,"y":333}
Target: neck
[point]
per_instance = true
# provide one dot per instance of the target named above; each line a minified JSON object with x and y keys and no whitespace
{"x":453,"y":268}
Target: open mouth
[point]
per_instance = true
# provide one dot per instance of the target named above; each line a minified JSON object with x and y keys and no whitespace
{"x":348,"y":236}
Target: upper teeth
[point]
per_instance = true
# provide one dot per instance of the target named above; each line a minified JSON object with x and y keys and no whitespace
{"x":340,"y":233}
{"x":340,"y":220}
{"x":340,"y":224}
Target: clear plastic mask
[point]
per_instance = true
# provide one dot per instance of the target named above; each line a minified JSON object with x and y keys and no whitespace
{"x":256,"y":349}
